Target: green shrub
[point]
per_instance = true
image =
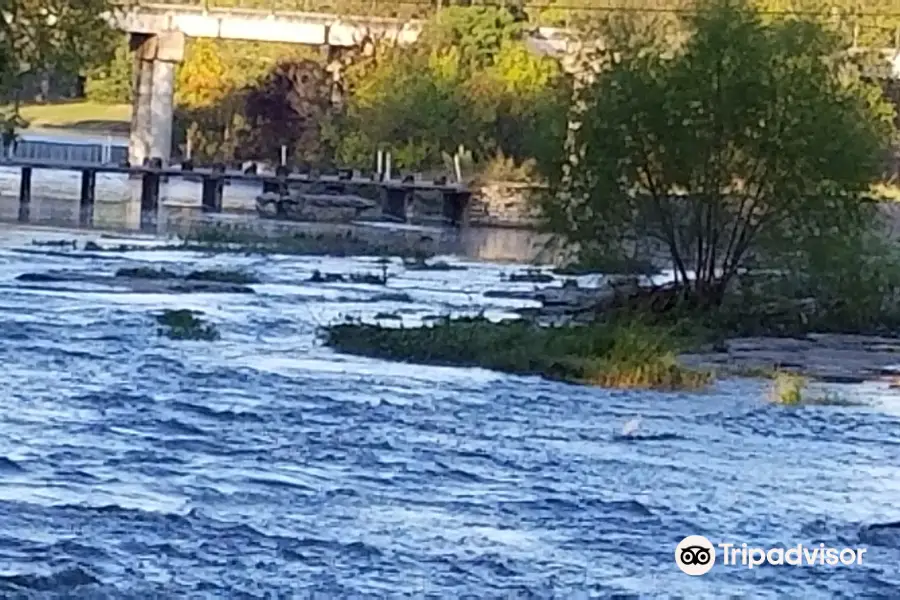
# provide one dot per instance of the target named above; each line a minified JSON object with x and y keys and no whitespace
{"x":629,"y":355}
{"x":184,"y":324}
{"x":787,"y":388}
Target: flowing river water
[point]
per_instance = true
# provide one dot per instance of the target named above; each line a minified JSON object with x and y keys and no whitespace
{"x":265,"y":465}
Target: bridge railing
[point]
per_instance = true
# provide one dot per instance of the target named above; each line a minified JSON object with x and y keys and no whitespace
{"x":874,"y":8}
{"x":69,"y":153}
{"x":875,"y":24}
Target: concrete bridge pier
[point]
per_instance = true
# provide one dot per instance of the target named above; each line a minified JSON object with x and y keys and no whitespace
{"x":156,"y":57}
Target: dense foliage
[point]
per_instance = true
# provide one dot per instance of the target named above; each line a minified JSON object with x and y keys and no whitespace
{"x":39,"y":37}
{"x":721,"y":145}
{"x":483,"y":87}
{"x":111,"y":82}
{"x":470,"y":81}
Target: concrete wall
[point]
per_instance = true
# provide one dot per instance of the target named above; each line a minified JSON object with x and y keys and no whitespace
{"x":156,"y":57}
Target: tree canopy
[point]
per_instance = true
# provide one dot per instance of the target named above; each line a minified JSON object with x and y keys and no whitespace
{"x":469,"y":80}
{"x":41,"y":36}
{"x":751,"y":129}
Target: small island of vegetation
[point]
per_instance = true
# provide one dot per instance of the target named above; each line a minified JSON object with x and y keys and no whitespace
{"x":746,"y":155}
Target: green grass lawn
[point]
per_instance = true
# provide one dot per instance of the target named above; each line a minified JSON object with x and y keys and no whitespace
{"x":84,"y":116}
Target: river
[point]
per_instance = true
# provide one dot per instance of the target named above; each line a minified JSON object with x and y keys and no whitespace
{"x":265,"y":465}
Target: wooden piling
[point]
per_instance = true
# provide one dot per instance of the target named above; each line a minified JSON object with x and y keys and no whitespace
{"x":149,"y":200}
{"x":25,"y":195}
{"x":213,"y":190}
{"x":279,"y":185}
{"x":88,"y":191}
{"x":396,"y":201}
{"x":456,"y":205}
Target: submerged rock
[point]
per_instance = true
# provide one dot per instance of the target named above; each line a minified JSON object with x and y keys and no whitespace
{"x":223,"y":276}
{"x":205,"y":287}
{"x":391,"y":297}
{"x":368,"y":278}
{"x":55,"y":243}
{"x":44,"y":277}
{"x":141,"y":280}
{"x":439,"y":265}
{"x":531,"y":276}
{"x":319,"y":277}
{"x":146,"y":273}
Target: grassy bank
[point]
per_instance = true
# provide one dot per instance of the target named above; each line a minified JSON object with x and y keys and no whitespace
{"x":619,"y":355}
{"x":88,"y":117}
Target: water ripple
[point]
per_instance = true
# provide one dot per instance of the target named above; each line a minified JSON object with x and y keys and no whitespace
{"x":266,"y":466}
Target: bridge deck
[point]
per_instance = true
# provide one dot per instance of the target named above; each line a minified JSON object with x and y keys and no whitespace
{"x":417,"y":185}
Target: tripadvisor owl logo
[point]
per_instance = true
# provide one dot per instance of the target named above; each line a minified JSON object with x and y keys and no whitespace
{"x":695,"y":555}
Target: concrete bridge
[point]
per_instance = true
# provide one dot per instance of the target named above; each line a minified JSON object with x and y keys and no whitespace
{"x":158,"y":33}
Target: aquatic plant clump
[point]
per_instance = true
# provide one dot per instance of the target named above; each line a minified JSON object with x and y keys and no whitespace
{"x":222,"y":276}
{"x":146,"y":273}
{"x":184,"y":324}
{"x":605,"y":354}
{"x":787,"y":388}
{"x":209,"y":275}
{"x":791,"y":389}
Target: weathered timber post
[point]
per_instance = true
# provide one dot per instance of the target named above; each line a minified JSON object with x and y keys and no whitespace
{"x":150,"y":196}
{"x":456,"y":207}
{"x":25,"y":195}
{"x":279,"y":184}
{"x":270,"y":186}
{"x":396,"y":200}
{"x":88,"y":189}
{"x":213,"y":189}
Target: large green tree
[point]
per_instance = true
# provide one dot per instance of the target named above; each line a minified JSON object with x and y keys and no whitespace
{"x":752,"y":129}
{"x":469,"y":80}
{"x":111,"y":81}
{"x":51,"y":36}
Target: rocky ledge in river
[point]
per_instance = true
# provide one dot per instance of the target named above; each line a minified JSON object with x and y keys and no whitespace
{"x":829,"y":357}
{"x":835,"y":358}
{"x":570,"y":303}
{"x":151,"y":281}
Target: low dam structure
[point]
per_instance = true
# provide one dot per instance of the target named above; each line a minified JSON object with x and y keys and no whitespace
{"x":394,"y":197}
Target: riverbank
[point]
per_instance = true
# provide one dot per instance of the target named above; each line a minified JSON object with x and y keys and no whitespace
{"x":79,"y":116}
